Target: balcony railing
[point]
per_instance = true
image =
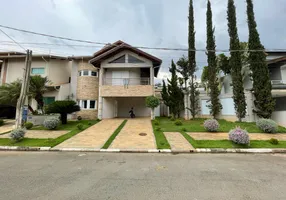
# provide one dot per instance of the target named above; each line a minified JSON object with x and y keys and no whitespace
{"x":126,"y":81}
{"x":278,"y":82}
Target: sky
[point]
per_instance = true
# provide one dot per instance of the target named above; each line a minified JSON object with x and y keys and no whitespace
{"x":152,"y":23}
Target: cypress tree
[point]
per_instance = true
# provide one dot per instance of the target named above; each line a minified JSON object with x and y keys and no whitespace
{"x":176,"y":96}
{"x":164,"y":94}
{"x":215,"y":105}
{"x":235,"y":61}
{"x":194,"y":93}
{"x":264,"y":103}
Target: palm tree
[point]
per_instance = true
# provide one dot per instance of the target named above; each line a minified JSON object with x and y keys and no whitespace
{"x":10,"y":92}
{"x":37,"y":88}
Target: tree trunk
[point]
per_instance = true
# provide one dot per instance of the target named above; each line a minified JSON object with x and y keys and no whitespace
{"x":152,"y":114}
{"x":64,"y":117}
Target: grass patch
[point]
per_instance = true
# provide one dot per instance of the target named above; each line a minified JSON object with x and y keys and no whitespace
{"x":161,"y":141}
{"x":72,"y":125}
{"x":196,"y":125}
{"x":113,"y":136}
{"x":228,"y":144}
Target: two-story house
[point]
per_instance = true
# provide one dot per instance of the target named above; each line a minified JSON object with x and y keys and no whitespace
{"x":105,"y":85}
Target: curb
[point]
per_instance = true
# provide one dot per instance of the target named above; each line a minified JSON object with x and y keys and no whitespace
{"x":199,"y":150}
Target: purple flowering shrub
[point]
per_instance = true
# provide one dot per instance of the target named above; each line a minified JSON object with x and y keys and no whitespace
{"x":211,"y":125}
{"x":239,"y":136}
{"x":267,"y":125}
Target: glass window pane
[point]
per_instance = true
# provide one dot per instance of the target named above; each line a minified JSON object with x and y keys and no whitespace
{"x":92,"y":104}
{"x":85,"y":73}
{"x":132,"y":59}
{"x":119,"y":60}
{"x":84,"y":103}
{"x":48,"y":100}
{"x":38,"y":71}
{"x":93,"y":73}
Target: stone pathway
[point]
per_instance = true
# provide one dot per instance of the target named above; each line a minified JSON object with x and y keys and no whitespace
{"x":177,"y":141}
{"x":129,"y":137}
{"x":224,"y":136}
{"x":41,"y":134}
{"x":8,"y":126}
{"x":93,"y":137}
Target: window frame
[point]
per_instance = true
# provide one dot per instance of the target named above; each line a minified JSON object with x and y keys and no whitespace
{"x":41,"y":68}
{"x":81,"y":104}
{"x":89,"y":73}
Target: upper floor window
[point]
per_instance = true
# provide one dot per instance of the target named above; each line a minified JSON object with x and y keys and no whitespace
{"x":132,"y":59}
{"x":38,"y":71}
{"x":121,"y":59}
{"x":127,"y":59}
{"x":87,"y":73}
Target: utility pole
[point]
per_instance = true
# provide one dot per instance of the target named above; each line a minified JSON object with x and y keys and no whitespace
{"x":24,"y":90}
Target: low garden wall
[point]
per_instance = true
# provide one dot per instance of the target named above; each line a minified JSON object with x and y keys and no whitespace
{"x":39,"y":119}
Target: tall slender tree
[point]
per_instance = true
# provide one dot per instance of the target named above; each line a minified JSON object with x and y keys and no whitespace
{"x":194,"y":93}
{"x":215,"y":105}
{"x":235,"y":61}
{"x":176,"y":96}
{"x":164,"y":94}
{"x":264,"y":103}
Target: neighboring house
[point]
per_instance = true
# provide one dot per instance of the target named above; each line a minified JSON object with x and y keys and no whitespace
{"x":277,"y":70}
{"x":105,"y":85}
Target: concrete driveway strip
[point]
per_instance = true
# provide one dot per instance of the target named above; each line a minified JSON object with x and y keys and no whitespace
{"x":177,"y":141}
{"x":97,"y":176}
{"x":93,"y":137}
{"x":136,"y":134}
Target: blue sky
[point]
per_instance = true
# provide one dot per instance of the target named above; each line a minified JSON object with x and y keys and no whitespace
{"x":154,"y":23}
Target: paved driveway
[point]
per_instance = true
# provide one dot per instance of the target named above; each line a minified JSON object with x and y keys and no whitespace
{"x":129,"y":137}
{"x":93,"y":137}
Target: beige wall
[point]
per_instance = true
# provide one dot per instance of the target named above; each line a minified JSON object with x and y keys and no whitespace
{"x":59,"y":71}
{"x":123,"y":91}
{"x":108,"y":108}
{"x":87,"y":114}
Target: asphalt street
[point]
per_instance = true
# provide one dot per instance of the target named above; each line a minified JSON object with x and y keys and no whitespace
{"x":96,"y":176}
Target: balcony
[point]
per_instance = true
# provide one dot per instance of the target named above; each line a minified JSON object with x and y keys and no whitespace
{"x":126,"y":87}
{"x":278,"y":84}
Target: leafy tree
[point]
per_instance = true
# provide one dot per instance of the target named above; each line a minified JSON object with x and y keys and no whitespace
{"x":183,"y":69}
{"x":194,"y":92}
{"x":37,"y":88}
{"x":63,"y":108}
{"x":235,"y":62}
{"x":10,"y":93}
{"x":176,"y":96}
{"x":223,"y":63}
{"x":152,"y":102}
{"x":215,"y":105}
{"x":264,"y":103}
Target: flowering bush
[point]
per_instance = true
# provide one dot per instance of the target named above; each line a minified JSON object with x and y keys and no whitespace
{"x":51,"y":123}
{"x":239,"y":136}
{"x":17,"y":134}
{"x":267,"y":125}
{"x":211,"y":125}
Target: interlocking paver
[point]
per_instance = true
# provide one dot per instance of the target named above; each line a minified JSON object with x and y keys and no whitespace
{"x":224,"y":136}
{"x":177,"y":141}
{"x":93,"y":137}
{"x":129,"y":137}
{"x":41,"y":134}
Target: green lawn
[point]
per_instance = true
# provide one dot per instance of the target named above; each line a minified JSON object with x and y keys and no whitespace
{"x":166,"y":125}
{"x":197,"y":125}
{"x":113,"y":136}
{"x":71,"y":125}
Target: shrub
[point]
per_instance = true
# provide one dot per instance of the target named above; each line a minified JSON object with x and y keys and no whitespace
{"x":64,"y":108}
{"x":184,"y":129}
{"x":1,"y":122}
{"x":17,"y":134}
{"x":274,"y":141}
{"x":79,"y":126}
{"x":267,"y":125}
{"x":89,"y":123}
{"x":29,"y":125}
{"x":172,"y":119}
{"x":156,"y":122}
{"x":211,"y":125}
{"x":51,"y":123}
{"x":178,"y":122}
{"x":79,"y":118}
{"x":158,"y":129}
{"x":239,"y":136}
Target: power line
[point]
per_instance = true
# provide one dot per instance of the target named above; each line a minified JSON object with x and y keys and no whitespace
{"x":140,"y":47}
{"x":12,"y":39}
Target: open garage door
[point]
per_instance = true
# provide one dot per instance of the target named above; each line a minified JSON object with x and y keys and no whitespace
{"x":124,"y":104}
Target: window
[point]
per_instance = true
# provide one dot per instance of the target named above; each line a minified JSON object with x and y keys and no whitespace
{"x":38,"y":71}
{"x":119,"y":60}
{"x":87,"y":104}
{"x":48,"y":100}
{"x":132,"y":59}
{"x":87,"y":73}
